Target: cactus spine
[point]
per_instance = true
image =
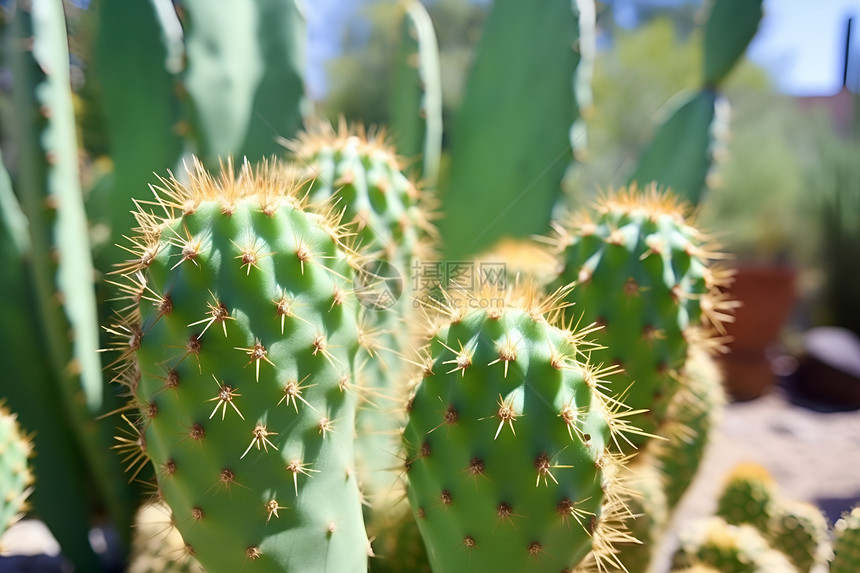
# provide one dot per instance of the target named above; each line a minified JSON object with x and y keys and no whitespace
{"x":240,"y":353}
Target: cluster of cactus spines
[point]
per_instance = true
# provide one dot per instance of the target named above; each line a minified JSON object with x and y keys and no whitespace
{"x":662,"y":471}
{"x":16,"y":478}
{"x":646,"y":499}
{"x":510,"y":442}
{"x":846,"y":543}
{"x":240,"y":351}
{"x":157,"y":546}
{"x":643,"y":273}
{"x":728,"y":549}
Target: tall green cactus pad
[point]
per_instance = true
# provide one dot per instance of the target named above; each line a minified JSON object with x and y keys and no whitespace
{"x":63,"y":282}
{"x":15,"y":475}
{"x":730,"y":28}
{"x":506,"y":446}
{"x":641,"y":272}
{"x":728,"y":549}
{"x":684,"y":147}
{"x":846,"y":544}
{"x":137,"y":56}
{"x":416,"y":113}
{"x":244,"y":75}
{"x":510,"y":142}
{"x":240,"y":350}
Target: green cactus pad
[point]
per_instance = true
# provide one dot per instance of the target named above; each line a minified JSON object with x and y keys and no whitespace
{"x":693,"y":416}
{"x":364,"y":178}
{"x":642,"y":272}
{"x":800,"y":531}
{"x":241,"y":346}
{"x":15,"y":475}
{"x":728,"y":549}
{"x":846,"y":545}
{"x":749,"y":496}
{"x":507,"y":461}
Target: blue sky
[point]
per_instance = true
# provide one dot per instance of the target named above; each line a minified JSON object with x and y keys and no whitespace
{"x":800,"y":42}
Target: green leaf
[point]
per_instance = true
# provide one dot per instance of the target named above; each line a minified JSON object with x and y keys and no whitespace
{"x":244,"y":75}
{"x":416,"y":114}
{"x":680,"y":154}
{"x":728,"y":31}
{"x":510,"y":143}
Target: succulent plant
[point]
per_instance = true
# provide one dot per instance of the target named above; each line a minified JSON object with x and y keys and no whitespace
{"x":240,"y":352}
{"x":509,"y":442}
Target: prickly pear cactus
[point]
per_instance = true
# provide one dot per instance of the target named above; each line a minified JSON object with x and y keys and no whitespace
{"x":15,"y":475}
{"x":846,"y":545}
{"x":694,"y":413}
{"x":507,"y":443}
{"x":749,"y":496}
{"x":728,"y":549}
{"x":364,"y":178}
{"x":240,"y":354}
{"x":800,"y":531}
{"x":642,"y":272}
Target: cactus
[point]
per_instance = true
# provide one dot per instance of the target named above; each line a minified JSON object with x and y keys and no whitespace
{"x":692,"y":137}
{"x":157,"y":546}
{"x":365,"y":178}
{"x":504,"y":149}
{"x":846,"y":544}
{"x":508,"y":464}
{"x":642,"y":273}
{"x":728,"y":549}
{"x":693,"y":415}
{"x":15,"y":475}
{"x":800,"y":531}
{"x":240,"y":350}
{"x":417,"y":94}
{"x":749,"y":496}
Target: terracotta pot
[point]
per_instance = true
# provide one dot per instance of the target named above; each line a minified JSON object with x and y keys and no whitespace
{"x":767,"y":295}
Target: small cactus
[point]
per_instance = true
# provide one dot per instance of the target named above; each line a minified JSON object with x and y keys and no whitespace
{"x":16,"y":478}
{"x":240,"y":348}
{"x":846,"y":545}
{"x":728,"y":549}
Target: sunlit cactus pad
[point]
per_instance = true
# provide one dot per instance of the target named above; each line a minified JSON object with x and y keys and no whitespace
{"x":644,"y":273}
{"x":242,"y":338}
{"x":507,"y":444}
